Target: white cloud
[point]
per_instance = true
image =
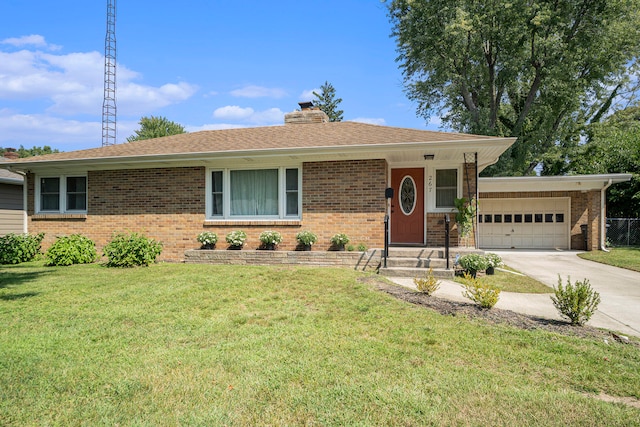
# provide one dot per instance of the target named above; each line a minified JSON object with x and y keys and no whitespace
{"x":35,"y":40}
{"x":369,"y":120}
{"x":39,"y":129}
{"x":307,"y":95}
{"x":73,"y":83}
{"x":252,"y":91}
{"x":233,"y":112}
{"x":248,"y":115}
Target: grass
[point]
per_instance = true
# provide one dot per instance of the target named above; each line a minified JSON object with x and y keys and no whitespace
{"x":628,"y":258}
{"x":511,"y":280}
{"x":178,"y":344}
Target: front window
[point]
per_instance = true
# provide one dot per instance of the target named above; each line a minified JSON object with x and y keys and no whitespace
{"x":50,"y":194}
{"x":446,"y":188}
{"x":253,"y":193}
{"x":62,"y":194}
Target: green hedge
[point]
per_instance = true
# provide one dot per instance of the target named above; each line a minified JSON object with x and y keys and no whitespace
{"x":74,"y":249}
{"x":17,"y":248}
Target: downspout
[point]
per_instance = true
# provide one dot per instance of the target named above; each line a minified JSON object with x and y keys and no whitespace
{"x":603,"y":217}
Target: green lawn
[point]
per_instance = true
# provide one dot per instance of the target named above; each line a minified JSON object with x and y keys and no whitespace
{"x":509,"y":280}
{"x":628,"y":258}
{"x":178,"y":344}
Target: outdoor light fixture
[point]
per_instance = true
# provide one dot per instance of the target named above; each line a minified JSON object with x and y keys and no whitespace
{"x":429,"y":156}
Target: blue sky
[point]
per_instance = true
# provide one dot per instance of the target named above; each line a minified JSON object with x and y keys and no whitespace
{"x":203,"y":64}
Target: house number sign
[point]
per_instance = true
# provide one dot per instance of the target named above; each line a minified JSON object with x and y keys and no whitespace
{"x":430,"y":183}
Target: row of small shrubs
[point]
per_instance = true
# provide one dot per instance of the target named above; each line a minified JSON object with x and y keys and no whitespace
{"x":270,"y":238}
{"x":576,"y":302}
{"x":17,"y":248}
{"x":122,"y":251}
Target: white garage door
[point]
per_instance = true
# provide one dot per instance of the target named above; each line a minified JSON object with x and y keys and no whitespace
{"x":524,"y":223}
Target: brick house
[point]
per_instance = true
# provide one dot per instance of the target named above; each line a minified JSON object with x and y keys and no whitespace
{"x":309,"y":174}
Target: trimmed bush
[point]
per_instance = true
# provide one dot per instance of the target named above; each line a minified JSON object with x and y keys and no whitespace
{"x":131,"y":250}
{"x":17,"y":248}
{"x":575,"y":302}
{"x":473,"y":262}
{"x":483,"y":294}
{"x":427,"y":284}
{"x":74,"y":249}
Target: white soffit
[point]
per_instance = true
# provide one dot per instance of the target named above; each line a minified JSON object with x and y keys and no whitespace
{"x":550,"y":183}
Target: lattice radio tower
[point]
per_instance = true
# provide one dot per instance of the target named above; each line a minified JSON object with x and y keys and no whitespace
{"x":109,"y":101}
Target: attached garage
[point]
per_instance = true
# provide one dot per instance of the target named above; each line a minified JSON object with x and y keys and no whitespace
{"x":514,"y":223}
{"x":544,"y":212}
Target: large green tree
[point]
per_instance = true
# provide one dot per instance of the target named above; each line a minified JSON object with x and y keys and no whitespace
{"x":326,"y":101}
{"x":613,"y":146}
{"x":538,"y":70}
{"x":155,"y":127}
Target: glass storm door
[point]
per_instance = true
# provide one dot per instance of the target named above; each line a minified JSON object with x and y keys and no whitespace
{"x":407,"y":206}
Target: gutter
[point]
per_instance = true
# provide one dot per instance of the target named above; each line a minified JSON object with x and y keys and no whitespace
{"x":603,"y":216}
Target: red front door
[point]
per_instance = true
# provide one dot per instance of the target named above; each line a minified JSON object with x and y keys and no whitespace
{"x":407,"y":206}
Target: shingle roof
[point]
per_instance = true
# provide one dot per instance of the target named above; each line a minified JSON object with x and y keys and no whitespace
{"x":336,"y":134}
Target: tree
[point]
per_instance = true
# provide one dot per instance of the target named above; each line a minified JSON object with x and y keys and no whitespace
{"x":537,"y":70}
{"x":33,"y":151}
{"x":328,"y":103}
{"x":613,"y":147}
{"x":155,"y":127}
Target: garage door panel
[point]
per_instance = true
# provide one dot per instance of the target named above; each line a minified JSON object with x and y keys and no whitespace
{"x":538,"y":223}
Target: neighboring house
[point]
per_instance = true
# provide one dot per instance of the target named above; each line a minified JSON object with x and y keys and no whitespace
{"x":309,"y":174}
{"x":11,"y":202}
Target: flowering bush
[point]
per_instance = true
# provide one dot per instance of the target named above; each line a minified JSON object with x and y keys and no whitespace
{"x":270,"y":237}
{"x":236,"y":238}
{"x":208,"y":238}
{"x":493,"y":260}
{"x":306,"y":238}
{"x":339,"y":239}
{"x":473,"y":262}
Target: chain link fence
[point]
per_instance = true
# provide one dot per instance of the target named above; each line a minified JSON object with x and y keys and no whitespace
{"x":623,"y":231}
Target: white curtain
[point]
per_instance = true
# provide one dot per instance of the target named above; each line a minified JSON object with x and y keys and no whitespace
{"x":254,"y":192}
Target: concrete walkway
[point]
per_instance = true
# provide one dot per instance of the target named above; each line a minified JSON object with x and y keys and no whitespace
{"x":619,"y":289}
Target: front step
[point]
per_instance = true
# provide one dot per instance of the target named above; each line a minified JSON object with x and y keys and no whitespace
{"x":415,"y":262}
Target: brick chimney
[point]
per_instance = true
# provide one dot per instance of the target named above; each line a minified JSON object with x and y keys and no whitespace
{"x":307,"y":114}
{"x":11,"y":154}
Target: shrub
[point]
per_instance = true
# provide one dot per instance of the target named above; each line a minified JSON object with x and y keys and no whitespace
{"x":427,"y":284}
{"x":576,"y":302}
{"x":74,"y":249}
{"x":236,"y":238}
{"x":131,"y":250}
{"x":270,"y":238}
{"x":351,"y":248}
{"x":483,"y":294}
{"x":362,"y":247}
{"x":17,"y":248}
{"x":208,"y":239}
{"x":473,"y":262}
{"x":493,"y":260}
{"x":306,"y":238}
{"x":339,"y":239}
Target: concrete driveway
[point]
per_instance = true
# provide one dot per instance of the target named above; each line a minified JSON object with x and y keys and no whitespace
{"x":619,"y":289}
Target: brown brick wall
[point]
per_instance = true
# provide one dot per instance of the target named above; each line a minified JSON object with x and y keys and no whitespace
{"x":585,"y":209}
{"x":168,"y":204}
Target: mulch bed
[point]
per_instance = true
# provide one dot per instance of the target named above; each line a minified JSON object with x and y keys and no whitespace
{"x":495,"y":315}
